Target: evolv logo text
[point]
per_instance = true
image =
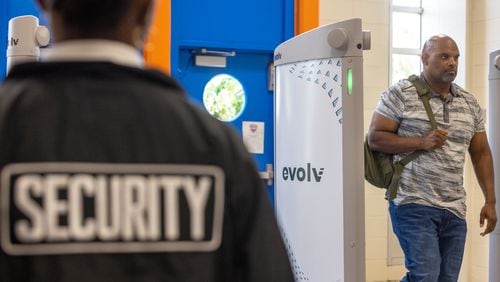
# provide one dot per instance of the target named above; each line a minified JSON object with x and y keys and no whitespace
{"x":302,"y":174}
{"x":13,"y":41}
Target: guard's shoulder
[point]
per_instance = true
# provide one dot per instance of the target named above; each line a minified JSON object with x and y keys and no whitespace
{"x":13,"y":92}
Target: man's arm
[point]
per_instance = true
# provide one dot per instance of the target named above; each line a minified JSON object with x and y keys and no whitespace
{"x":482,"y":161}
{"x":382,"y":137}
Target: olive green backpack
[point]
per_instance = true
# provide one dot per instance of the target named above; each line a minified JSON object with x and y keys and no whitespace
{"x":380,"y":170}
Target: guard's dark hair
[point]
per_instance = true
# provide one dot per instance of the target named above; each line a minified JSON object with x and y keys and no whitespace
{"x":91,"y":14}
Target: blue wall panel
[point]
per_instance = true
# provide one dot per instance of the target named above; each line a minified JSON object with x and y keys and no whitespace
{"x":252,"y":25}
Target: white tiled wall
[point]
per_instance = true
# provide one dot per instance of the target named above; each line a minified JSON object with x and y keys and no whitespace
{"x":482,"y":37}
{"x":483,"y":24}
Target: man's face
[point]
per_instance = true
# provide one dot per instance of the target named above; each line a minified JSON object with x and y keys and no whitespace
{"x":441,"y":61}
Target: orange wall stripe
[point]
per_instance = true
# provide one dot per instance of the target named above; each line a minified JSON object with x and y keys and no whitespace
{"x":306,"y":15}
{"x":156,"y":50}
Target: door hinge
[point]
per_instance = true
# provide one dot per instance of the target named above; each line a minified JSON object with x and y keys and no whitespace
{"x":268,"y":174}
{"x":270,"y":76}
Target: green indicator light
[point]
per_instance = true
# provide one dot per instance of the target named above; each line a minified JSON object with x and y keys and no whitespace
{"x":349,"y":81}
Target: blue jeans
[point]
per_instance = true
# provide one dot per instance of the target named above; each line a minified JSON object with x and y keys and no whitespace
{"x":432,"y":240}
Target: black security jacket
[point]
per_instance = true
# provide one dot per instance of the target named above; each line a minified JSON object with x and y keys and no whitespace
{"x":105,"y":113}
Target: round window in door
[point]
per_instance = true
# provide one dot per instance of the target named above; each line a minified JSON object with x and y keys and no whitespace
{"x":224,"y":97}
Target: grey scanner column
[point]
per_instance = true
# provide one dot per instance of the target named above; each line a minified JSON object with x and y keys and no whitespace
{"x":318,"y":151}
{"x":494,"y":137}
{"x":25,"y":37}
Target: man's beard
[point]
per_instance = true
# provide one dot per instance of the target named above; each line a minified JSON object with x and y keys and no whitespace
{"x":448,"y":77}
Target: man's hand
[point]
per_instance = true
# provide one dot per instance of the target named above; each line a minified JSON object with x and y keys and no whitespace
{"x":489,"y":214}
{"x":434,"y":139}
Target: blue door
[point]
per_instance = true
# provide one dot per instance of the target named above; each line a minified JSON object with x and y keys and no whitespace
{"x":234,"y":40}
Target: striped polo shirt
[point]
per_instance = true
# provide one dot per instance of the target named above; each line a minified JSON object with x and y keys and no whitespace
{"x":435,"y":178}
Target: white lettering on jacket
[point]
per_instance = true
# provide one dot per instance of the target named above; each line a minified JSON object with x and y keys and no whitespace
{"x":98,"y":204}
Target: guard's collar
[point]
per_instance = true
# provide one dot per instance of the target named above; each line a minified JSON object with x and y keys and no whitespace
{"x":93,"y":50}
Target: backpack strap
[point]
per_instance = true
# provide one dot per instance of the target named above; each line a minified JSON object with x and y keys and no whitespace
{"x":424,"y":94}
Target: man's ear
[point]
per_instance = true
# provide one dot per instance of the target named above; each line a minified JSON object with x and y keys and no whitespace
{"x":425,"y":58}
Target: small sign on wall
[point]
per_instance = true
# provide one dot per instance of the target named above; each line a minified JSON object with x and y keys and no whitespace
{"x":253,"y":136}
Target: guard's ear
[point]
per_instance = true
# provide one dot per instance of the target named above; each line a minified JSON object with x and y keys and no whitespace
{"x":143,"y":13}
{"x":42,"y":4}
{"x":145,"y":10}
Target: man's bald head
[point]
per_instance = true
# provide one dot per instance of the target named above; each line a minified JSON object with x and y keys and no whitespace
{"x":431,"y":42}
